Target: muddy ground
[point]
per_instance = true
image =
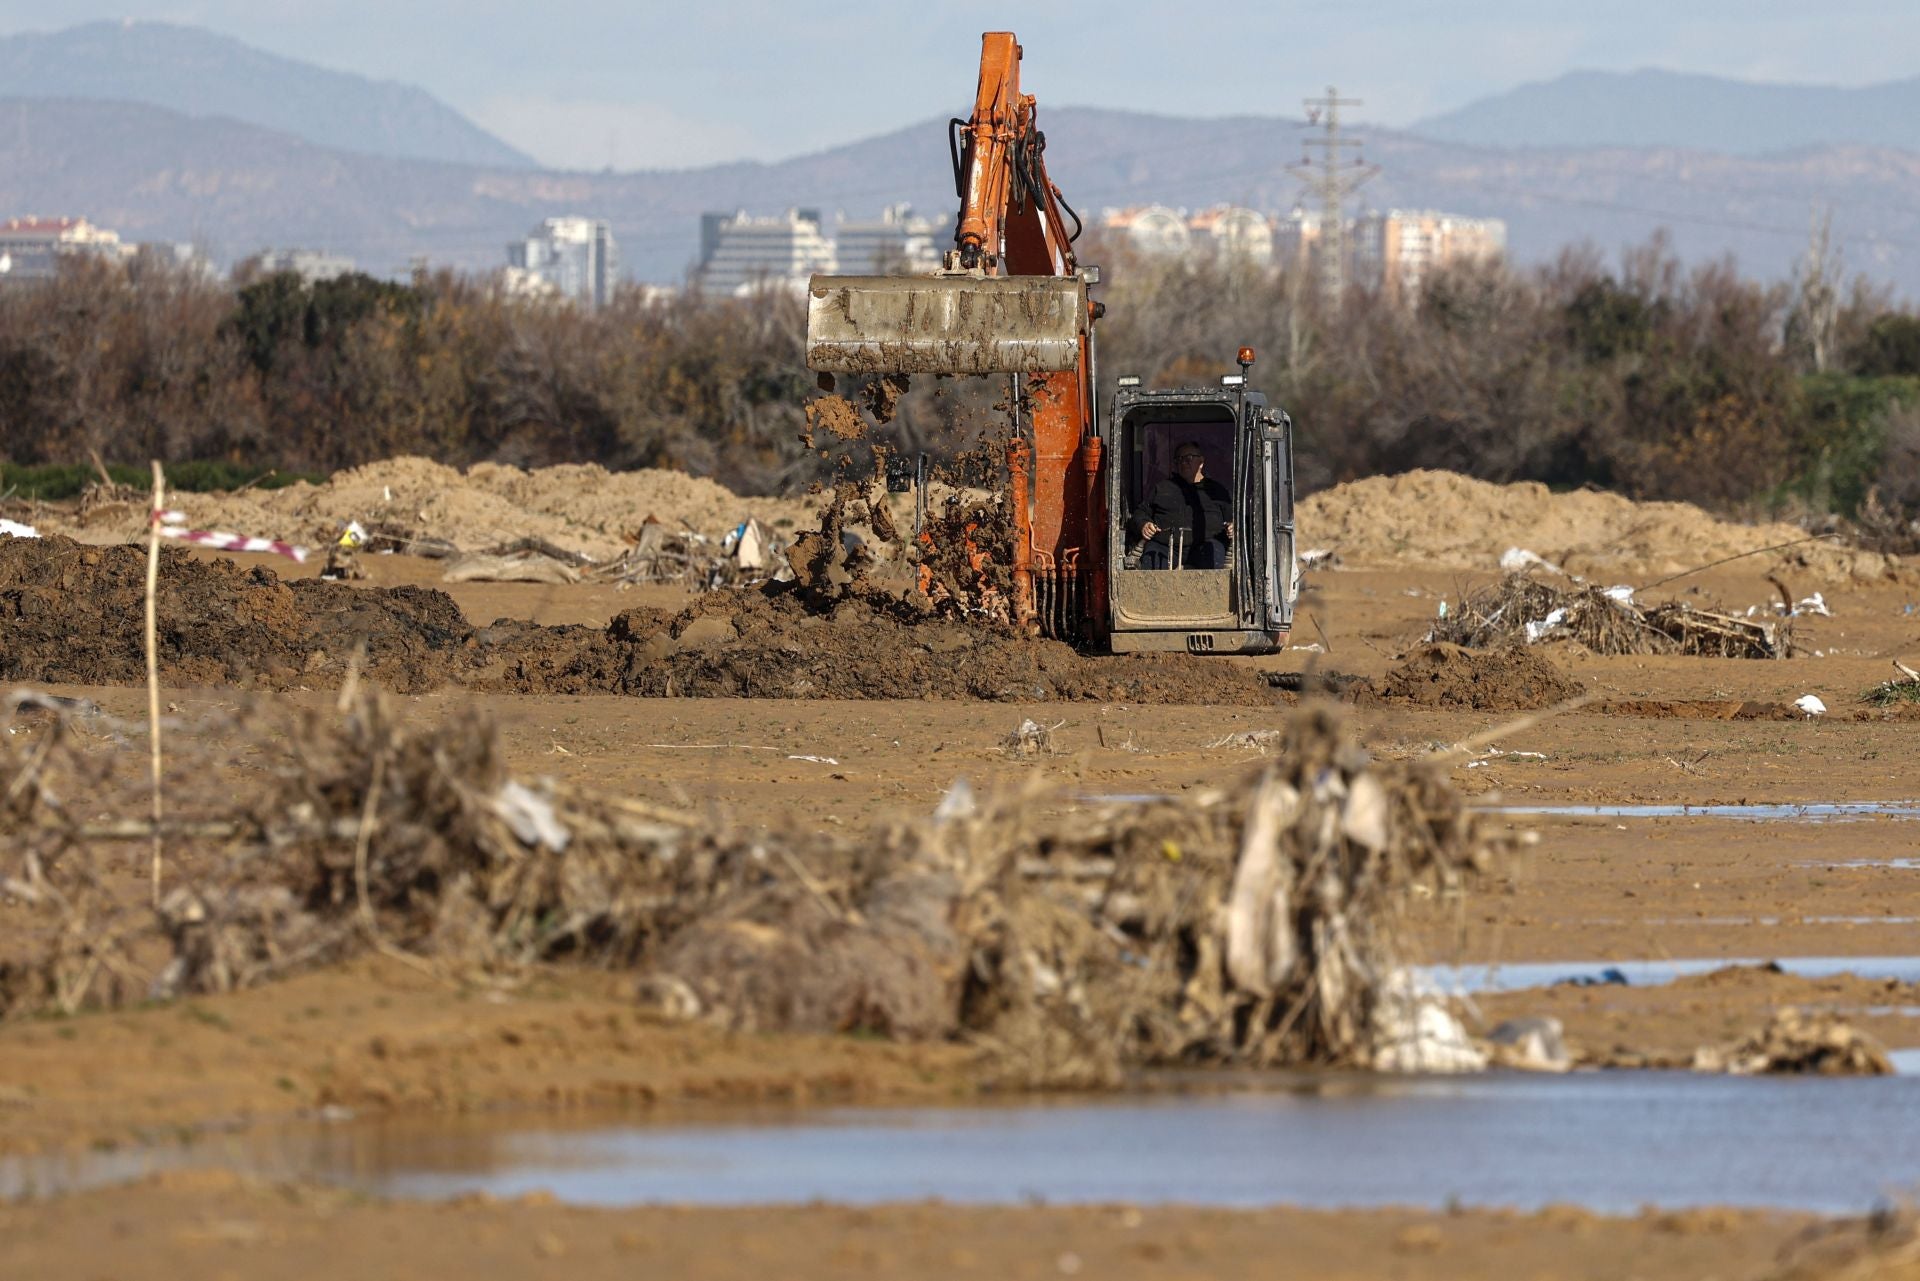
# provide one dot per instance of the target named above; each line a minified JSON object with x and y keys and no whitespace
{"x":375,"y":1036}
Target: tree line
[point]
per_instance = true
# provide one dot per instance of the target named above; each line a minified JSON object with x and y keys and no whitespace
{"x":1641,"y":375}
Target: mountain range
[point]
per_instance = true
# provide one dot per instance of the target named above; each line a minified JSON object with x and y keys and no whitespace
{"x":1651,"y":108}
{"x":241,"y":171}
{"x":197,"y":72}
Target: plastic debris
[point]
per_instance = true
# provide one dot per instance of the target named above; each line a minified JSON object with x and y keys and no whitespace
{"x":1514,"y":560}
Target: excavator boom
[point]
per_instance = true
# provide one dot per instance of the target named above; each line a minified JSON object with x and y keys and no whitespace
{"x":1011,"y":300}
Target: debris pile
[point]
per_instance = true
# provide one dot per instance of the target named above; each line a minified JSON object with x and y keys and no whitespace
{"x":1522,"y":609}
{"x":1799,"y":1042}
{"x":1259,"y":923}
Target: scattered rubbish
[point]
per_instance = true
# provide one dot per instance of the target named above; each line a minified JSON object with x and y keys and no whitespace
{"x":1031,"y":738}
{"x":516,"y":567}
{"x":1532,"y":1044}
{"x":955,"y":803}
{"x":1414,"y":1031}
{"x":1252,"y":740}
{"x":1811,"y":705}
{"x":1612,"y":976}
{"x":1798,"y":1042}
{"x":1517,"y":560}
{"x":1523,"y":609}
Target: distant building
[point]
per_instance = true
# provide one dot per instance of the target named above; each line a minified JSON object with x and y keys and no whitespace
{"x":31,"y":248}
{"x":576,"y":256}
{"x":1233,"y":234}
{"x":1398,"y":248}
{"x":311,"y":265}
{"x":174,"y":256}
{"x":741,"y":253}
{"x":1296,"y":239}
{"x":897,"y":244}
{"x":1150,"y":229}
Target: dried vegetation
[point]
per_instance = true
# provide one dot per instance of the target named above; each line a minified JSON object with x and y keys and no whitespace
{"x":1258,"y":923}
{"x":1523,"y":609}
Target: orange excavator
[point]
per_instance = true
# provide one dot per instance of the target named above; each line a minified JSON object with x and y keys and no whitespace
{"x":1116,"y":545}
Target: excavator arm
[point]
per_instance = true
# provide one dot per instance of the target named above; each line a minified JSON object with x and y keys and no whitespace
{"x":1012,"y":300}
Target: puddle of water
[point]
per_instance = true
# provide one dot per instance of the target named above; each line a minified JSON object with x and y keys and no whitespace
{"x":1861,"y":864}
{"x":1609,"y":1141}
{"x":1520,"y":975}
{"x":1811,"y":812}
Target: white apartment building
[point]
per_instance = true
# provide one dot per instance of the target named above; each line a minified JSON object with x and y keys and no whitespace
{"x":740,"y":253}
{"x":576,"y":257}
{"x":1398,"y":248}
{"x":1233,"y":234}
{"x":311,"y":265}
{"x":896,"y":244}
{"x":31,"y":248}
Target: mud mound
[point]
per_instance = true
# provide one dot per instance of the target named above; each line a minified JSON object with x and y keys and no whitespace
{"x":1504,"y":680}
{"x":757,"y":645}
{"x":583,"y":508}
{"x":1435,"y":518}
{"x":71,"y":613}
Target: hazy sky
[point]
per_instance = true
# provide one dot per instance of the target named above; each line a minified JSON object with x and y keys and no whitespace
{"x":640,"y":83}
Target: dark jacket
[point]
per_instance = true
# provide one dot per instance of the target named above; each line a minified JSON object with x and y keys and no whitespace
{"x":1203,"y":509}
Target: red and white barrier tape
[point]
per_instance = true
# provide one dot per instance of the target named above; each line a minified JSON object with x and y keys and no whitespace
{"x":173,"y":525}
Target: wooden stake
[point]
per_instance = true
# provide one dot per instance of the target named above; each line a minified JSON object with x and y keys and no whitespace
{"x":153,"y":659}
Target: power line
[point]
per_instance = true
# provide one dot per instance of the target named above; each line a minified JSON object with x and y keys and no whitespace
{"x":1333,"y":179}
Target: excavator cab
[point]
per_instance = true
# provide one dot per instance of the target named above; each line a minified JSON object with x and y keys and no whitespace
{"x":1227,"y":595}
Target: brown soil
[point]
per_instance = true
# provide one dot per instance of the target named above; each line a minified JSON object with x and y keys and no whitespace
{"x":881,"y":396}
{"x":1441,"y":519}
{"x":1502,"y":680}
{"x":206,"y":1224}
{"x":836,"y":415}
{"x":71,"y":614}
{"x":582,"y":507}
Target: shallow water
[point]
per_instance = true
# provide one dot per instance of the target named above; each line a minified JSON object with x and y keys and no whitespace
{"x":1809,"y":812}
{"x":1520,"y":975}
{"x":1609,"y":1141}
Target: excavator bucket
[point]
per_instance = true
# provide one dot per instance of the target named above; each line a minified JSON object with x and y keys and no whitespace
{"x":945,"y":324}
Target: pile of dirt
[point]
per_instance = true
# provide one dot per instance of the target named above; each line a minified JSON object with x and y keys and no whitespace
{"x":1435,"y":518}
{"x":582,"y":508}
{"x":1501,"y":680}
{"x":71,"y":613}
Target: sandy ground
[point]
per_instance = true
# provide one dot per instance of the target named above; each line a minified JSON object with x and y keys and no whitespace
{"x":1593,"y":889}
{"x":216,"y":1226}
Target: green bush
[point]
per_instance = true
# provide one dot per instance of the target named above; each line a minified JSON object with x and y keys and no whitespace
{"x":51,"y":482}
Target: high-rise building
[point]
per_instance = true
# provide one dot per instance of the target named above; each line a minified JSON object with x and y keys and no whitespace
{"x":577,"y":257}
{"x":1398,"y":248}
{"x":742,"y":253}
{"x":31,"y":248}
{"x":896,"y":244}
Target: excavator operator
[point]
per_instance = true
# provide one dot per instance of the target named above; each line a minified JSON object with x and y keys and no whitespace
{"x":1185,"y":515}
